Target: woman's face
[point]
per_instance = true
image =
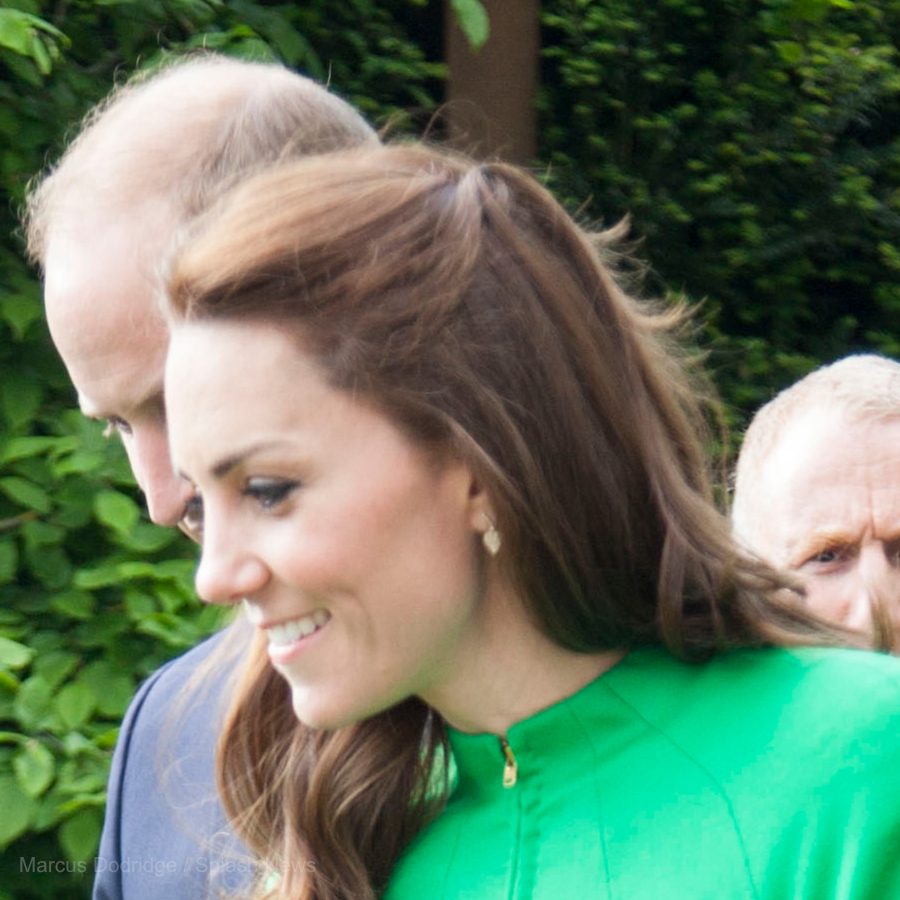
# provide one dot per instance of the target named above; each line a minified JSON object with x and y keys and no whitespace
{"x":353,"y":551}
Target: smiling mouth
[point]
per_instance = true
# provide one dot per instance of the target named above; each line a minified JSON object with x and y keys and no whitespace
{"x":289,"y":632}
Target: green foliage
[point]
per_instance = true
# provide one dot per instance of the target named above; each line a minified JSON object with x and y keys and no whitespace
{"x":473,"y":20}
{"x":94,"y":598}
{"x":754,"y":145}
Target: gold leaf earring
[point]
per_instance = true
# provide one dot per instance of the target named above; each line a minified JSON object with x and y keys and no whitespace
{"x":491,"y":538}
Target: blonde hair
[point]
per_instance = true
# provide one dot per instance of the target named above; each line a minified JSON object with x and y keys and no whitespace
{"x":467,"y":305}
{"x":181,"y":133}
{"x":861,"y":387}
{"x":858,"y":387}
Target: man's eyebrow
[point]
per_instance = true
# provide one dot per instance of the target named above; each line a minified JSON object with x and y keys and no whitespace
{"x":819,"y":541}
{"x":152,"y":397}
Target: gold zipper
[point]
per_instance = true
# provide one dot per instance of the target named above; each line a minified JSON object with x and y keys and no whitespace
{"x":510,"y":767}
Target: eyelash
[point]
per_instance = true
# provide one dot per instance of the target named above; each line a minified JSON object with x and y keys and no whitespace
{"x":269,"y":492}
{"x":192,"y":518}
{"x":115,"y":425}
{"x":839,"y":555}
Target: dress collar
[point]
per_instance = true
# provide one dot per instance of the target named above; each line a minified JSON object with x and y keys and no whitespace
{"x":557,"y":738}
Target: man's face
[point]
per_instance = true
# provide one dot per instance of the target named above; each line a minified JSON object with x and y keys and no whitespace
{"x":830,"y":495}
{"x":99,"y":295}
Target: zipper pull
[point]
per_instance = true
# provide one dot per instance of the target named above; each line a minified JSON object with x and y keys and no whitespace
{"x":510,"y":767}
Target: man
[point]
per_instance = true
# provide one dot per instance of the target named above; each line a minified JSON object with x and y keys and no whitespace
{"x":817,"y":491}
{"x":151,"y":157}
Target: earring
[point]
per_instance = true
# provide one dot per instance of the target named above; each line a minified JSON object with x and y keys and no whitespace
{"x":491,"y":538}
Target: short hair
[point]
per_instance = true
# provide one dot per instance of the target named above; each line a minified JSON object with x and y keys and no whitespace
{"x":181,"y":133}
{"x":858,"y":387}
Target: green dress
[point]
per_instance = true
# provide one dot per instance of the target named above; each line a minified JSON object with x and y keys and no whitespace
{"x":760,"y":774}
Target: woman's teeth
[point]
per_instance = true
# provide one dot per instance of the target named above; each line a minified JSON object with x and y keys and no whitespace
{"x":288,"y":632}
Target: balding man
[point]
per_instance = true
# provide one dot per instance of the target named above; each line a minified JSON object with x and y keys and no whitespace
{"x":817,"y":491}
{"x":150,"y":158}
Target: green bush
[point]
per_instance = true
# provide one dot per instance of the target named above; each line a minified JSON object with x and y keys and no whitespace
{"x":94,"y":598}
{"x":755,"y":146}
{"x":753,"y":142}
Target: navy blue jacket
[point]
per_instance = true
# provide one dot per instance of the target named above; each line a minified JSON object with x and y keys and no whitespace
{"x":165,"y":836}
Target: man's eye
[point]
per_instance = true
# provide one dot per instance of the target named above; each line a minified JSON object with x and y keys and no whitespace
{"x":116,"y":425}
{"x":191,"y":522}
{"x":269,"y":492}
{"x":829,"y":556}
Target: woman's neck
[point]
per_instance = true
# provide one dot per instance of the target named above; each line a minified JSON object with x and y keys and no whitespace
{"x":512,"y":671}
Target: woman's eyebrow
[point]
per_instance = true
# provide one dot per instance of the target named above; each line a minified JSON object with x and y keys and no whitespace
{"x":221,"y":468}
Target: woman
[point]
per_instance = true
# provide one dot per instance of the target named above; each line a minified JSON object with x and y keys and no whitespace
{"x":455,"y":475}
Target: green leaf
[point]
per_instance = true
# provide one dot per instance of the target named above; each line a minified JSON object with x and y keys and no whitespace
{"x":169,"y":628}
{"x":75,"y":604}
{"x":790,"y":51}
{"x":106,"y":740}
{"x":147,"y":538}
{"x":26,"y":493}
{"x":115,"y":697}
{"x":51,"y":565}
{"x":55,"y":666}
{"x":34,"y":766}
{"x":77,"y":463}
{"x":128,"y":571}
{"x":40,"y":55}
{"x":117,"y":511}
{"x":17,"y":808}
{"x":32,"y":702}
{"x":94,"y":800}
{"x":23,"y":447}
{"x":15,"y":31}
{"x":75,"y":703}
{"x":14,"y":655}
{"x":19,"y":310}
{"x":83,"y":774}
{"x":139,"y":605}
{"x":9,"y":558}
{"x":41,"y":534}
{"x":474,"y":22}
{"x":112,"y":687}
{"x":80,"y":834}
{"x":102,"y":630}
{"x":102,"y":576}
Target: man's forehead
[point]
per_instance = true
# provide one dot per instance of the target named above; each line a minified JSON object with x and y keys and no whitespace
{"x":110,"y":335}
{"x":824,"y":439}
{"x":833,"y":473}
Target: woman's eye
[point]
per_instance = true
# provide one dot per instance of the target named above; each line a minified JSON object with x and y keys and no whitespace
{"x":116,"y":425}
{"x":269,"y":492}
{"x":192,"y":518}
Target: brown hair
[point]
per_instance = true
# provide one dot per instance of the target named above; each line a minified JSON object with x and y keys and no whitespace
{"x":180,"y":132}
{"x":464,"y":302}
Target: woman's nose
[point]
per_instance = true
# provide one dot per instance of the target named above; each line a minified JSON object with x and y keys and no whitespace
{"x":228,"y":570}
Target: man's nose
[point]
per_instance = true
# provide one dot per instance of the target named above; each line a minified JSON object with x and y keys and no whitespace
{"x":166,"y":493}
{"x":878,"y":589}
